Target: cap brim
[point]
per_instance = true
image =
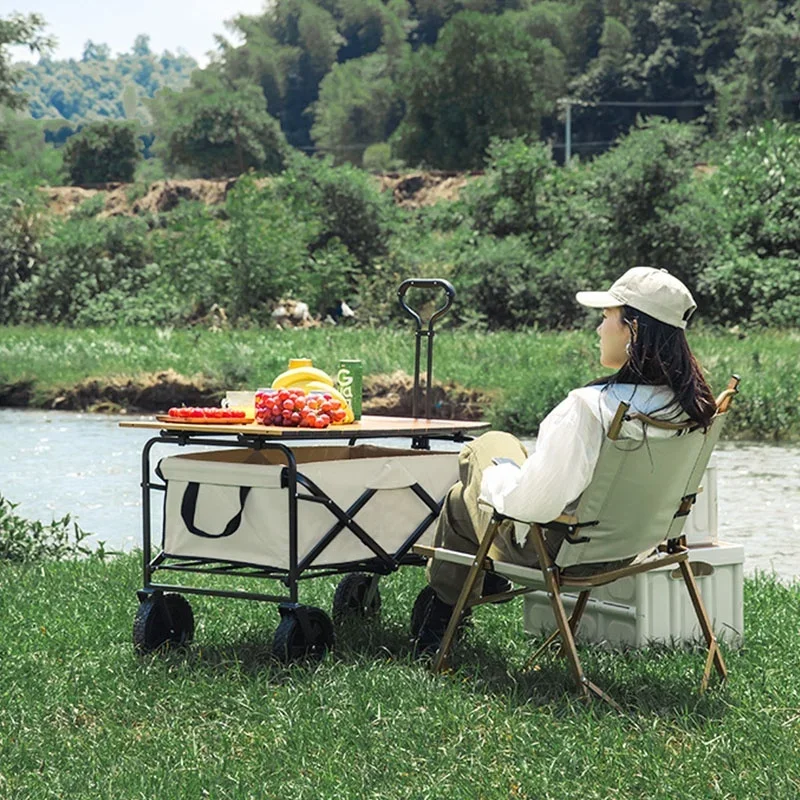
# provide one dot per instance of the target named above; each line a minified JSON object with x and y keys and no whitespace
{"x":598,"y":300}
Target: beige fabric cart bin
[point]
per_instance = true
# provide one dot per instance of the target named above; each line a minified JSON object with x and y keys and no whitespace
{"x":230,"y":504}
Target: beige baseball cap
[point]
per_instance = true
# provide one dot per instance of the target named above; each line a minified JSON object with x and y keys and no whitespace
{"x":653,"y":291}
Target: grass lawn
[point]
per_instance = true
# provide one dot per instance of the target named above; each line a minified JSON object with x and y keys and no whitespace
{"x":82,"y":717}
{"x":527,"y":372}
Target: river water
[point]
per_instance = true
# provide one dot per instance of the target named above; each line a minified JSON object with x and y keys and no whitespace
{"x":55,"y":463}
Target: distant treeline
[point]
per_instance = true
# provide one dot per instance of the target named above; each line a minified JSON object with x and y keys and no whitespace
{"x":99,"y":87}
{"x":378,"y":83}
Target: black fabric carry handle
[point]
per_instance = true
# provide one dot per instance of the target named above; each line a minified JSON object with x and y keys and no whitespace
{"x":189,"y":507}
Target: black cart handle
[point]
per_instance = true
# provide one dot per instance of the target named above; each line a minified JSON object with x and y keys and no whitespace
{"x":189,"y":507}
{"x":427,"y":283}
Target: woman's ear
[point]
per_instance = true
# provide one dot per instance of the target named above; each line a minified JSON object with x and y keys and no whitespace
{"x":634,"y":330}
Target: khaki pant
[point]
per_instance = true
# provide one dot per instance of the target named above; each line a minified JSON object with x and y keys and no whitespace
{"x":463,"y":523}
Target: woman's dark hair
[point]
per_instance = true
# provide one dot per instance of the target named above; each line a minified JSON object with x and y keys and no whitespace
{"x":660,"y":356}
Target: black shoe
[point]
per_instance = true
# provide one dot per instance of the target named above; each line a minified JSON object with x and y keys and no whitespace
{"x":433,"y":619}
{"x":496,"y":584}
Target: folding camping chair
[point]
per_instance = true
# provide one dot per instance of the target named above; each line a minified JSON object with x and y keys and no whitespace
{"x":635,"y":506}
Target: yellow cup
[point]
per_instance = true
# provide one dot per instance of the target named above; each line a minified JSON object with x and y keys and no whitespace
{"x":294,"y":363}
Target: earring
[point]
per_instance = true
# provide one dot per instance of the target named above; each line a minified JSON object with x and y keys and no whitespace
{"x":628,"y":348}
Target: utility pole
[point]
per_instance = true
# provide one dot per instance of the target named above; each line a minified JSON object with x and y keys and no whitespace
{"x":567,"y":103}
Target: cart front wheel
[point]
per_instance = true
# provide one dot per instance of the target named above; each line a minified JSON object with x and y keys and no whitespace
{"x":356,"y":595}
{"x":162,"y":620}
{"x":304,"y":632}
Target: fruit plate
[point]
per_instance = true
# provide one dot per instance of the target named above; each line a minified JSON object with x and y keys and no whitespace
{"x":206,"y":420}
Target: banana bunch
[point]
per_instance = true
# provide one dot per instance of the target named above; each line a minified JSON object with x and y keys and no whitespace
{"x":311,"y":379}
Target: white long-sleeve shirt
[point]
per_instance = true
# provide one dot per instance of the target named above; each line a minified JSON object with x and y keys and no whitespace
{"x":555,"y":475}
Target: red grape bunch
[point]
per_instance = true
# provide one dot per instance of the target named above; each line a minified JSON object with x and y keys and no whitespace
{"x":294,"y":408}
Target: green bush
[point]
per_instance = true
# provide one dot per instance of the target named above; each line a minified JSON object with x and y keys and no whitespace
{"x":504,"y":283}
{"x":522,"y":193}
{"x":266,"y":250}
{"x":190,"y":248}
{"x":81,"y":261}
{"x":25,"y":156}
{"x":90,"y":207}
{"x":344,"y":202}
{"x":102,"y":152}
{"x":757,"y":190}
{"x":23,"y":540}
{"x":331,"y":275}
{"x":746,"y":288}
{"x":377,"y":157}
{"x":22,"y":226}
{"x":642,"y":207}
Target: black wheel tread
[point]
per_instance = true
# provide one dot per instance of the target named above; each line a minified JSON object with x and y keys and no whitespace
{"x":290,"y":644}
{"x":165,"y":620}
{"x":350,"y":595}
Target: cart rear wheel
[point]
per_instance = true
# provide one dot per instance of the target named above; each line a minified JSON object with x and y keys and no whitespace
{"x":356,"y":595}
{"x":162,"y":619}
{"x":295,"y":640}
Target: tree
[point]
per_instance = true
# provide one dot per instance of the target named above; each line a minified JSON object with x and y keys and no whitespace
{"x":763,"y":79}
{"x":95,"y":52}
{"x":216,"y":129}
{"x":485,"y":77}
{"x":102,"y":152}
{"x":290,"y":49}
{"x":141,"y":46}
{"x":358,"y":105}
{"x":18,"y":30}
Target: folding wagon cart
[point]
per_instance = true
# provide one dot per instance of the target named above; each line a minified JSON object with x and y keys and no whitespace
{"x":274,"y":505}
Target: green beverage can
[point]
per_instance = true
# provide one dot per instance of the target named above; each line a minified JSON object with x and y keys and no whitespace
{"x":349,"y":381}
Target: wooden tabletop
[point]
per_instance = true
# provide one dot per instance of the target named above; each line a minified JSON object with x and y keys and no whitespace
{"x":366,"y":427}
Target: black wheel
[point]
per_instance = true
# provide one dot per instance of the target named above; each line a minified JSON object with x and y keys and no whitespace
{"x":356,"y":596}
{"x":162,"y":620}
{"x":424,"y":599}
{"x":420,"y":609}
{"x":297,"y":638}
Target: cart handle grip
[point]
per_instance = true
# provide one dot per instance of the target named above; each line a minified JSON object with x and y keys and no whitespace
{"x":189,"y":506}
{"x":427,"y":283}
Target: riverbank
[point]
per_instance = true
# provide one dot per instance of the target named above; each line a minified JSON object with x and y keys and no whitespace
{"x":83,"y":718}
{"x":511,"y":379}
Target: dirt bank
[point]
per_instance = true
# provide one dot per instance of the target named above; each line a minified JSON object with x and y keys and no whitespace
{"x":410,"y":190}
{"x":152,"y":393}
{"x":392,"y":395}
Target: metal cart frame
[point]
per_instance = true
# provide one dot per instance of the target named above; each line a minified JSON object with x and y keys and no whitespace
{"x":164,"y":616}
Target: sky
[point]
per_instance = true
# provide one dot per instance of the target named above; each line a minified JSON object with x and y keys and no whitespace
{"x":172,"y":25}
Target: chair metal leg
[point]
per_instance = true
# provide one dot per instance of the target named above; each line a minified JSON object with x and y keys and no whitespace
{"x":577,"y":613}
{"x":549,"y":570}
{"x":714,"y":657}
{"x":574,"y":621}
{"x":474,"y":573}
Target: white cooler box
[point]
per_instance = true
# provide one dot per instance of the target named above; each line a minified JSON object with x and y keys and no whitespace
{"x":655,"y":606}
{"x":209,"y":514}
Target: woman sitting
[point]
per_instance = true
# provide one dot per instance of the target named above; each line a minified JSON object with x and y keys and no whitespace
{"x":642,"y":337}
